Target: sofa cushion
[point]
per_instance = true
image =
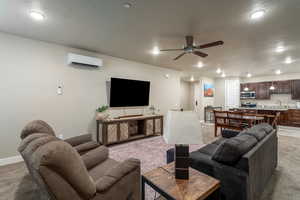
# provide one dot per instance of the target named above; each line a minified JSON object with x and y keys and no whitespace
{"x":259,"y":134}
{"x":266,"y":127}
{"x":37,"y":126}
{"x":116,"y":173}
{"x":219,"y":141}
{"x":202,"y":162}
{"x":226,"y":133}
{"x":208,"y":149}
{"x":95,"y":157}
{"x":101,"y":169}
{"x":231,"y":150}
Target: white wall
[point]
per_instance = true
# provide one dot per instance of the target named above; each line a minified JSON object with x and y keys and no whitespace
{"x":198,"y":88}
{"x":31,"y":71}
{"x":219,"y":92}
{"x":186,"y":100}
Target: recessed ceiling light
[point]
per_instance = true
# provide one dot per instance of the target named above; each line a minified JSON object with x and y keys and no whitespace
{"x":36,"y":15}
{"x":200,"y":64}
{"x":223,"y":75}
{"x":280,"y":49}
{"x":219,"y":71}
{"x":155,"y":50}
{"x":258,"y":14}
{"x":192,"y":78}
{"x":288,"y":60}
{"x":127,"y":5}
{"x":278,"y":72}
{"x":249,"y":75}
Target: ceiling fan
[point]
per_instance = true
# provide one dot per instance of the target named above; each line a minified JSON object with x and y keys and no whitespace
{"x":191,"y":48}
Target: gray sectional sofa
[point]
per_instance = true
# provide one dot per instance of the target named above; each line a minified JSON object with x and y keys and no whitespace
{"x":243,"y":164}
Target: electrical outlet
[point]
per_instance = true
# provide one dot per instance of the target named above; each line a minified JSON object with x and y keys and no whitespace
{"x":59,"y":90}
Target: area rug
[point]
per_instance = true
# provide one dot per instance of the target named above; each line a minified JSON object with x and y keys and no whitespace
{"x":16,"y":184}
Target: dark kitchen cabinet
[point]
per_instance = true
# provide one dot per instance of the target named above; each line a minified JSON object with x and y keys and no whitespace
{"x":250,"y":86}
{"x":282,"y":87}
{"x":263,"y":90}
{"x":294,"y":117}
{"x":295,"y":89}
{"x":284,"y":118}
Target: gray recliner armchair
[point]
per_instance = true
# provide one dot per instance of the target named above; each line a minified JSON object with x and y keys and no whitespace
{"x":62,"y":174}
{"x":82,"y":143}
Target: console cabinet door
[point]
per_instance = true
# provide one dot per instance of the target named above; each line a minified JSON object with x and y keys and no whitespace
{"x":296,"y":89}
{"x":158,"y":126}
{"x":112,"y":133}
{"x":149,"y":127}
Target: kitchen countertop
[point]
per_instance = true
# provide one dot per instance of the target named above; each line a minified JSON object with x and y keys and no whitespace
{"x":269,"y":108}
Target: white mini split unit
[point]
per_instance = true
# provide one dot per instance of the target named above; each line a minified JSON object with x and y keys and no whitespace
{"x":84,"y":60}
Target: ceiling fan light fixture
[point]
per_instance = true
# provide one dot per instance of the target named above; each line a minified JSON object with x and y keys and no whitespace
{"x":249,"y":75}
{"x":223,"y":75}
{"x":246,"y":89}
{"x":191,"y":48}
{"x":192,"y":79}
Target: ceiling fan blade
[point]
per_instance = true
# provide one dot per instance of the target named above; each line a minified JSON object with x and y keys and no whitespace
{"x":179,"y":56}
{"x":198,"y":53}
{"x":212,"y":44}
{"x":189,"y":40}
{"x":172,"y":50}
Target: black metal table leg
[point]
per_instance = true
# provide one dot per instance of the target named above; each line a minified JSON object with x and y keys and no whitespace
{"x":143,"y":188}
{"x":216,"y":195}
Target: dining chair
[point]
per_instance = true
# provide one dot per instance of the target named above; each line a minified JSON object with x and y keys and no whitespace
{"x":221,"y":120}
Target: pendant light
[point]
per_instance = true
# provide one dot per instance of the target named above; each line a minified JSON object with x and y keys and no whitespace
{"x":246,"y":88}
{"x":272,"y":86}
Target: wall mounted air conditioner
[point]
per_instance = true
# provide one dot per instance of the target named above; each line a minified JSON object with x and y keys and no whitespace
{"x":84,"y":60}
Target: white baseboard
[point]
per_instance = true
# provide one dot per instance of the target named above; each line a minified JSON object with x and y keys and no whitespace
{"x":10,"y":160}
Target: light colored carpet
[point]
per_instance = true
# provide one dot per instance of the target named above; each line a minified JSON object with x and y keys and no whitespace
{"x":284,"y":185}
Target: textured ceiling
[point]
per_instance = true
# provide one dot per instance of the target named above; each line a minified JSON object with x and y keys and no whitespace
{"x":107,"y":27}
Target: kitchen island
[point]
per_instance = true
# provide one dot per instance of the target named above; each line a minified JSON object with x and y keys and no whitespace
{"x":288,"y":116}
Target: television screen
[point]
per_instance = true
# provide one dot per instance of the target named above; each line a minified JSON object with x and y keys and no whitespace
{"x":126,"y":93}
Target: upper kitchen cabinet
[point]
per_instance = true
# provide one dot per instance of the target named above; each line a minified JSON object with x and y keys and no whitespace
{"x":295,"y":89}
{"x":250,"y":86}
{"x":263,"y":91}
{"x":282,"y":87}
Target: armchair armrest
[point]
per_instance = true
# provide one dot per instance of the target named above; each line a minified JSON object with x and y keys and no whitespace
{"x":95,"y":157}
{"x":85,"y":147}
{"x":77,"y":140}
{"x":116,"y":174}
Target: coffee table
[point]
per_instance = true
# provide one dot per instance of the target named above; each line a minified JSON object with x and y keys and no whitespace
{"x":199,"y":186}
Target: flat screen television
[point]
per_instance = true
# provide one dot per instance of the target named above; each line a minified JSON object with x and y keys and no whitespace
{"x":129,"y":93}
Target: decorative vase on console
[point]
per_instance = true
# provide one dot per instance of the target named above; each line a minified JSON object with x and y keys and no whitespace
{"x":102,"y":113}
{"x":152,"y":109}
